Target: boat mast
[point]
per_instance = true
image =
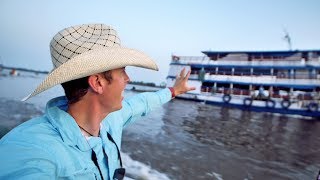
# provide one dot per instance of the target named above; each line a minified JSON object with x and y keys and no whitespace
{"x":287,"y":38}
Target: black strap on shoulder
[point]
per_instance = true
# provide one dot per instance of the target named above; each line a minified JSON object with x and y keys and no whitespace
{"x":119,"y":155}
{"x":95,"y":161}
{"x":119,"y":173}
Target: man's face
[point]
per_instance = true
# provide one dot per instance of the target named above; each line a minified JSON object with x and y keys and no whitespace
{"x":115,"y":88}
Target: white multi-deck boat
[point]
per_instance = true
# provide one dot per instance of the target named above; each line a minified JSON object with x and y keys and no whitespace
{"x":274,"y":81}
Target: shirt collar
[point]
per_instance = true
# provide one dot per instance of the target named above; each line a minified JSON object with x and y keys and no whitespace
{"x":65,"y":124}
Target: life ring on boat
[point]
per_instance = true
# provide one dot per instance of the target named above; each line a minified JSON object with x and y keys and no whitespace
{"x":226,"y":98}
{"x":313,"y":107}
{"x":247,"y":102}
{"x":270,"y":103}
{"x":285,"y":104}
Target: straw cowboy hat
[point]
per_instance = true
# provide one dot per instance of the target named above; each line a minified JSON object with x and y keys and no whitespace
{"x":87,"y":49}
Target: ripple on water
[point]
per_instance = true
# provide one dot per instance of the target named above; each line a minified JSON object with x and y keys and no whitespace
{"x":13,"y":113}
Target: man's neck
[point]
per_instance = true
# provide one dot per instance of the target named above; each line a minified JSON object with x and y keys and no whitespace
{"x":88,"y":116}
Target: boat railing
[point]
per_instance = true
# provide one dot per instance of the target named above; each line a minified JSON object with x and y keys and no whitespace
{"x":255,"y":62}
{"x":260,"y":78}
{"x":190,"y":59}
{"x":314,"y":63}
{"x":195,"y":74}
{"x":309,"y":96}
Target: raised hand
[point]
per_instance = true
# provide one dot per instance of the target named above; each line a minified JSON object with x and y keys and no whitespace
{"x":181,"y":85}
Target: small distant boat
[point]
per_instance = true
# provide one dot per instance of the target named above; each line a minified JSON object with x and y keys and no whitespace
{"x":14,"y":72}
{"x":285,"y":82}
{"x":142,"y":87}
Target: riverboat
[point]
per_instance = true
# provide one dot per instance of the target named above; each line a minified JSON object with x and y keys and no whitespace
{"x":286,"y":82}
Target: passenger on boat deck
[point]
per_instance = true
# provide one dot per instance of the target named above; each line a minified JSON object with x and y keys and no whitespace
{"x":262,"y":93}
{"x":79,"y":135}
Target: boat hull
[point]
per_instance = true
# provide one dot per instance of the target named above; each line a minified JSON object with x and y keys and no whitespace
{"x":273,"y":106}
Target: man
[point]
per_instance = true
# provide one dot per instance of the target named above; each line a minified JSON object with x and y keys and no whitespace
{"x":79,"y":136}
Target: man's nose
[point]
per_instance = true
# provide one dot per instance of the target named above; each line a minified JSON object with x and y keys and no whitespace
{"x":127,"y":78}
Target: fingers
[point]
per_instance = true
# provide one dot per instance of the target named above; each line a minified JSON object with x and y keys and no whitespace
{"x":188,"y":74}
{"x":182,"y":75}
{"x":182,"y":72}
{"x":181,"y":83}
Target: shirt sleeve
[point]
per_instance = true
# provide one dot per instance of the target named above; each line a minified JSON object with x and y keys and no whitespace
{"x":141,"y":104}
{"x":19,"y":161}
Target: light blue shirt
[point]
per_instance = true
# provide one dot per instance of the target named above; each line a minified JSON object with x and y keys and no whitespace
{"x":53,"y":147}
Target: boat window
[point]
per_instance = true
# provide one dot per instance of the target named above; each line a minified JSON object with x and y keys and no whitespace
{"x":225,"y":71}
{"x":242,"y":71}
{"x":262,"y":71}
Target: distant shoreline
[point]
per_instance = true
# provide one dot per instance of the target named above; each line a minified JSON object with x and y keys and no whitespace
{"x":23,"y":69}
{"x":141,"y":83}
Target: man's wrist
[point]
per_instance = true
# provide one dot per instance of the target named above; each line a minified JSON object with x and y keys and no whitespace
{"x":173,"y":94}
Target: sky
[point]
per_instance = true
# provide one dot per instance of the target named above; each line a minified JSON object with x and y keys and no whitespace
{"x":159,"y":28}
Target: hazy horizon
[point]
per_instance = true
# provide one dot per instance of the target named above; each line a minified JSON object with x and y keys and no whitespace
{"x":159,"y":29}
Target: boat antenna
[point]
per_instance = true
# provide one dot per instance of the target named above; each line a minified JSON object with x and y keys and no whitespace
{"x":287,"y":38}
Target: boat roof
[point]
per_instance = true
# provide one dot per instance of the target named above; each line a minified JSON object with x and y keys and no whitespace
{"x":263,"y":53}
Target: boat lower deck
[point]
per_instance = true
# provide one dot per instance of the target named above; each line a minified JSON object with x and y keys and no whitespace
{"x":274,"y":105}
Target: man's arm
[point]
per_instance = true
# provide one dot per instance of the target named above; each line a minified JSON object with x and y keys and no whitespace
{"x":143,"y":103}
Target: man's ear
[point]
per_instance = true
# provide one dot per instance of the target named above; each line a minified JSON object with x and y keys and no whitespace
{"x":95,"y":83}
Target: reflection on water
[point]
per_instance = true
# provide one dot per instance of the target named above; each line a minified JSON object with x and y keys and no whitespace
{"x":189,"y":140}
{"x":210,"y":142}
{"x":278,"y":141}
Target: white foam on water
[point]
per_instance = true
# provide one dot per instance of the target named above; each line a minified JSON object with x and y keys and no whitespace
{"x":138,"y":170}
{"x":215,"y":175}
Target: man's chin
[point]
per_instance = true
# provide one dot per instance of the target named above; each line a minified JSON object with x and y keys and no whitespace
{"x":119,"y":107}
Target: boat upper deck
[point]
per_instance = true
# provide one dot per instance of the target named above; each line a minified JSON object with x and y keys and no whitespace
{"x":293,"y":59}
{"x":306,"y":54}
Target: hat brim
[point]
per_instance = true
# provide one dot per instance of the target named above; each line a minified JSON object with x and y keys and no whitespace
{"x":93,"y":62}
